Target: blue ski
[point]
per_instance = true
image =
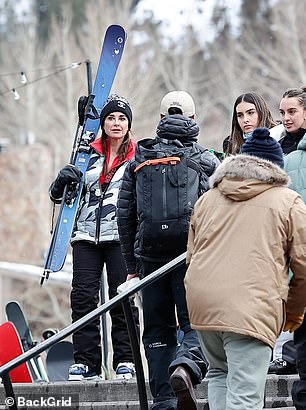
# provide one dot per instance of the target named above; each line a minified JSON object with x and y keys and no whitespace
{"x":111,"y":54}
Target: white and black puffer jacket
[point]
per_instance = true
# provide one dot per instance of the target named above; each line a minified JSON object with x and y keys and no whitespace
{"x":97,"y":214}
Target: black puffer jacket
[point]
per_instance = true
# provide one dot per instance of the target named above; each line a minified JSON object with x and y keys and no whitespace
{"x":172,"y":127}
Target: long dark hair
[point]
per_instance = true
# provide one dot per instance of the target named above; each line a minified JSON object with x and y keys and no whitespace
{"x":264,"y":116}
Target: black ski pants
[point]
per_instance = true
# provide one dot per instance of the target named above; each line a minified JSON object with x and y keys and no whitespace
{"x":88,"y":263}
{"x":162,"y":301}
{"x":299,"y":387}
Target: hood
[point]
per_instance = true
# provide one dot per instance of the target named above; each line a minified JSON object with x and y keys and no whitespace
{"x":241,"y":177}
{"x":178,"y":127}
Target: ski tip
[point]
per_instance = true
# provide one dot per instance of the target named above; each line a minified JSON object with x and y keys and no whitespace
{"x":116,"y":28}
{"x":12,"y":303}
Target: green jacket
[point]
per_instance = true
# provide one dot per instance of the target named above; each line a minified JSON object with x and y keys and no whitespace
{"x":295,"y":166}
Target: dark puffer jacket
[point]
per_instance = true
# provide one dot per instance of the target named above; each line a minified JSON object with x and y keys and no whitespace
{"x":172,"y":127}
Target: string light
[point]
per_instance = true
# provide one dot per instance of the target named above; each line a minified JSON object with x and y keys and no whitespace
{"x":25,"y":82}
{"x":15,"y":93}
{"x":75,"y":65}
{"x":34,"y":70}
{"x":24,"y":79}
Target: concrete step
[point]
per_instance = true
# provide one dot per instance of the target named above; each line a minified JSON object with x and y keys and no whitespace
{"x":118,"y":394}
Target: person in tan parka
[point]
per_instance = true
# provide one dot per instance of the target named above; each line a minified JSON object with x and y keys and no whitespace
{"x":244,"y":234}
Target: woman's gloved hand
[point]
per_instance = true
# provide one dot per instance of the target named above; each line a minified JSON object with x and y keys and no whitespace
{"x":68,"y":175}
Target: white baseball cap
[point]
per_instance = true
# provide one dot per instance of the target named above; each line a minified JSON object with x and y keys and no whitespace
{"x":178,"y":99}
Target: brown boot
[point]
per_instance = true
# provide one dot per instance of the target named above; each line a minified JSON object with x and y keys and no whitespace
{"x":182,"y":386}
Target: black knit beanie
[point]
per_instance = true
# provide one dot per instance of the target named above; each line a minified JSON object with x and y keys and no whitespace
{"x":116,"y":103}
{"x":263,"y":146}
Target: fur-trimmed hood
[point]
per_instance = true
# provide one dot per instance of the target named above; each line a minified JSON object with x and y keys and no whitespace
{"x":242,"y":176}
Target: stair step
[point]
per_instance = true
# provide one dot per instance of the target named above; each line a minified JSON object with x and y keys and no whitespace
{"x":278,"y":402}
{"x":122,"y":394}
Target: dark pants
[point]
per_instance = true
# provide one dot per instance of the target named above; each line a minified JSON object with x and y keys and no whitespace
{"x":88,"y":262}
{"x":299,"y":387}
{"x":190,"y":356}
{"x":162,"y":300}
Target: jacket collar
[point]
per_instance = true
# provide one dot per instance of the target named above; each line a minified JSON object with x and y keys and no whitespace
{"x":242,"y":176}
{"x":302,"y":143}
{"x":97,"y":146}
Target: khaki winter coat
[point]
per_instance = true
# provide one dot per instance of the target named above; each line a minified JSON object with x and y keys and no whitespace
{"x":244,"y":234}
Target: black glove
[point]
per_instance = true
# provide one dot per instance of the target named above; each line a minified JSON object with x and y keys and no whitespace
{"x":68,"y":175}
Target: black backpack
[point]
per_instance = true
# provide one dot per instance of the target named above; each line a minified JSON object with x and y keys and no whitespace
{"x":167,"y":186}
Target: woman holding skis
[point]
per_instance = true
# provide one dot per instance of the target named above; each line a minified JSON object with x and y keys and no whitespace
{"x":95,"y":242}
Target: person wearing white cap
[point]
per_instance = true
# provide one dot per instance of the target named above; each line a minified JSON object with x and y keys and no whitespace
{"x":172,"y":372}
{"x":178,"y":102}
{"x":181,"y":102}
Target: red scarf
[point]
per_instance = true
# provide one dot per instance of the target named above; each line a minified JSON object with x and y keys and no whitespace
{"x":97,"y":146}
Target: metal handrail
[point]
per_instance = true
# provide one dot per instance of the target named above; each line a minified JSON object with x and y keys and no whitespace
{"x":67,"y":331}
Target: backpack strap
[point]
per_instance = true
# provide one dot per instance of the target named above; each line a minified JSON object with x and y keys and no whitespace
{"x":163,"y":160}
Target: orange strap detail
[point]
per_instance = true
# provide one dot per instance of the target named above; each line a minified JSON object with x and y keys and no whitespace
{"x":164,"y":160}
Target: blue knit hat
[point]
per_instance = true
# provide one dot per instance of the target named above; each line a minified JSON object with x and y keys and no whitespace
{"x":263,"y":146}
